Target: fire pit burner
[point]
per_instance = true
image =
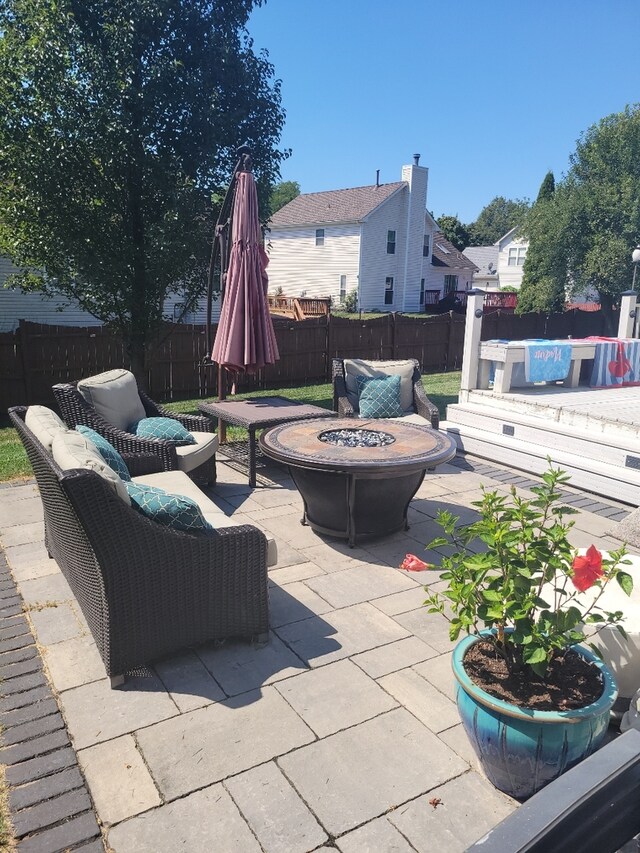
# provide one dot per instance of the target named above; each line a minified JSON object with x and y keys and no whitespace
{"x":356,"y":438}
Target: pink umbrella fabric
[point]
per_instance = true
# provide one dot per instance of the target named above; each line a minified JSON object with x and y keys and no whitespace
{"x":245,"y":340}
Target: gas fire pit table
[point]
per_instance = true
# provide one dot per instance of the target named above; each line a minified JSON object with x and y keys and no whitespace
{"x":357,"y":477}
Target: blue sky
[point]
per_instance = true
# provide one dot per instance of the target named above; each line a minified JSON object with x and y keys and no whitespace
{"x":492,"y":94}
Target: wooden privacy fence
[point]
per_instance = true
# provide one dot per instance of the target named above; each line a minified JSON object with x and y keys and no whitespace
{"x":35,"y":357}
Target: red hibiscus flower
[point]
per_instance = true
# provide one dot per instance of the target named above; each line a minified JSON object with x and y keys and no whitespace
{"x":587,"y":569}
{"x":411,"y":563}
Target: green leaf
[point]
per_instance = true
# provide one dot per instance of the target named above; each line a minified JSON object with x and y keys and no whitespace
{"x":625,"y":581}
{"x":535,"y":655}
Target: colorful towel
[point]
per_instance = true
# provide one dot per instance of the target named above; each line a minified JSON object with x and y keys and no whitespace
{"x":546,"y":361}
{"x":616,"y":362}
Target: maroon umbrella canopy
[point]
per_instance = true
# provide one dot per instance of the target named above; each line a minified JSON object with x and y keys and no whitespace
{"x":245,"y":340}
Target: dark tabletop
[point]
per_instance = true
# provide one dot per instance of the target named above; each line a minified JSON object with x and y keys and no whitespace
{"x":262,"y":411}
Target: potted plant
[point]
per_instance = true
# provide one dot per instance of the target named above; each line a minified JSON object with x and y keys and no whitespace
{"x":532,"y":701}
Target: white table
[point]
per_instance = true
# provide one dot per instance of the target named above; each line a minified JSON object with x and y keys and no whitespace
{"x":505,"y":355}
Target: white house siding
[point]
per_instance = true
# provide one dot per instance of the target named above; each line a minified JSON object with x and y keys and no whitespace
{"x":375,"y":263}
{"x":509,"y":276}
{"x":299,"y":267}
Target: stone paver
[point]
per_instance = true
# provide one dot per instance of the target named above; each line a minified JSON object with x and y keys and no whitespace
{"x":276,"y":814}
{"x":241,"y":666}
{"x":94,"y":712}
{"x":74,"y":662}
{"x":340,"y":734}
{"x":207,"y":745}
{"x":121,"y":785}
{"x":208,"y":820}
{"x":359,"y":774}
{"x":386,"y":659}
{"x":335,"y":697}
{"x":358,"y":584}
{"x":340,"y":634}
{"x":469,"y":806}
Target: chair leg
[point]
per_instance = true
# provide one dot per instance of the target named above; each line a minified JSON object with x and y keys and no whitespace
{"x":212,"y":474}
{"x":116,"y":681}
{"x":260,"y":639}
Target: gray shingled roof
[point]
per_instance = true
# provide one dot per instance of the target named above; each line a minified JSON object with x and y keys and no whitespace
{"x":350,"y":205}
{"x":445,"y":254}
{"x":482,"y":256}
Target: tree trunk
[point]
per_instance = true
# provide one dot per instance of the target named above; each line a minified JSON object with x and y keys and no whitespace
{"x":606,"y":305}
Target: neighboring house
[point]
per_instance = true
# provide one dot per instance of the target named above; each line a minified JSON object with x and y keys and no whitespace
{"x":61,"y":311}
{"x":506,"y":257}
{"x":376,"y":239}
{"x":486,"y":260}
{"x":451,"y":270}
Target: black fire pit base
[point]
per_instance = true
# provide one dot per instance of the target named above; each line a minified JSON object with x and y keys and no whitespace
{"x":350,"y":506}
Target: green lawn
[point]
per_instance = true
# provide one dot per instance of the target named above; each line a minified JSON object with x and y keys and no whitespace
{"x":442,"y":389}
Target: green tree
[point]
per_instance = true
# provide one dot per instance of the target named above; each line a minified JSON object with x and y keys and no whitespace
{"x":544,"y":278}
{"x":454,"y":231}
{"x":282,"y":194}
{"x":592,"y":223}
{"x":498,"y":217}
{"x":119,"y":124}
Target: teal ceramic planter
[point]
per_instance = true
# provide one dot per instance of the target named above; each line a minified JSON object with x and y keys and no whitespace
{"x":521,"y":750}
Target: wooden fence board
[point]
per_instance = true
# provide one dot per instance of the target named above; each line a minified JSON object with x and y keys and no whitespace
{"x":37,"y":356}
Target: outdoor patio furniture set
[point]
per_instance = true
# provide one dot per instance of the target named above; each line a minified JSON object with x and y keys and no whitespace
{"x":148,"y":589}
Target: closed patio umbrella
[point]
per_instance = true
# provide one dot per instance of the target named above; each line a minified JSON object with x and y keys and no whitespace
{"x":245,"y":340}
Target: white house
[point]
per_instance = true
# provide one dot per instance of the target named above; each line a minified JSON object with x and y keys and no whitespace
{"x":500,"y":265}
{"x":61,"y":311}
{"x":378,"y":240}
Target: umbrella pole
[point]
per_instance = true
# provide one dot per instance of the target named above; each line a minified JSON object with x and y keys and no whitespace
{"x":222,"y":395}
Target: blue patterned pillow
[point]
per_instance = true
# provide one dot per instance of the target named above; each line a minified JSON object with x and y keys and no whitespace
{"x":176,"y":511}
{"x":165,"y":428}
{"x":379,"y":398}
{"x":107,"y":451}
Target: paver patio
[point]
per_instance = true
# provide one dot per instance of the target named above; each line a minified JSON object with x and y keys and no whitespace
{"x":341,"y":733}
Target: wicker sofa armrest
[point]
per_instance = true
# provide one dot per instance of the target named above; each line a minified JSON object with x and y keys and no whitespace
{"x":424,"y":406}
{"x":341,"y":402}
{"x":194,"y":423}
{"x":75,"y":410}
{"x":140,"y":464}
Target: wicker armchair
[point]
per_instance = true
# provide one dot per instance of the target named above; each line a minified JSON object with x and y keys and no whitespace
{"x":145,"y":590}
{"x":76,"y":410}
{"x":421,"y":403}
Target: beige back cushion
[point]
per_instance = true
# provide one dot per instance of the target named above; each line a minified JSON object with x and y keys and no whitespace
{"x":72,"y":450}
{"x":354,"y":367}
{"x":114,"y":395}
{"x":44,"y":424}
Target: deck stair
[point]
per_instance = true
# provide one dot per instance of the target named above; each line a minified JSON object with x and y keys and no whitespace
{"x":597,"y":444}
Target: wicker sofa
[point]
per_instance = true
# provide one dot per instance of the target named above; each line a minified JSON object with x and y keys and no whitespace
{"x":419,"y":408}
{"x":147,"y":590}
{"x":198,"y":461}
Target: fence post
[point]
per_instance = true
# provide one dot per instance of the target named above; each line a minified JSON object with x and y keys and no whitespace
{"x":471,"y":349}
{"x":626,"y":323}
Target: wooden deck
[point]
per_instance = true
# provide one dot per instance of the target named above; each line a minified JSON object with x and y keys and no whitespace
{"x":594,"y":434}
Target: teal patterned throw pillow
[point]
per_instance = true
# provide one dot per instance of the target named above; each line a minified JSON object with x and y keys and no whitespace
{"x":176,"y":511}
{"x":107,"y":451}
{"x":165,"y":428}
{"x":379,"y":398}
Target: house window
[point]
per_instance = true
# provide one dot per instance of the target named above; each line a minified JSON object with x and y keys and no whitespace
{"x":319,"y":236}
{"x":517,"y":256}
{"x":388,"y":290}
{"x":426,"y":245}
{"x":343,"y":287}
{"x":450,"y":283}
{"x":391,"y":242}
{"x":421,"y":291}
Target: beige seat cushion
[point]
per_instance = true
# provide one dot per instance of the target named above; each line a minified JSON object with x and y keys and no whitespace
{"x":178,"y":483}
{"x":191,"y":456}
{"x":44,"y":424}
{"x":354,"y":367}
{"x":414,"y":418}
{"x":114,"y":395}
{"x":72,"y":450}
